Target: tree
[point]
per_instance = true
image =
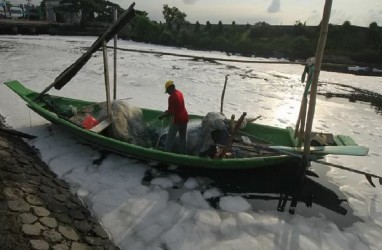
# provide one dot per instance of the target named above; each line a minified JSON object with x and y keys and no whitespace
{"x":375,"y":35}
{"x":139,"y":13}
{"x":373,"y":26}
{"x":197,"y":26}
{"x":166,"y":38}
{"x":220,"y":26}
{"x":346,"y":24}
{"x":208,"y":26}
{"x":43,"y":10}
{"x":173,"y":15}
{"x":141,"y":27}
{"x":299,"y":28}
{"x":244,"y":44}
{"x":88,"y":8}
{"x":262,"y":24}
{"x":301,"y":47}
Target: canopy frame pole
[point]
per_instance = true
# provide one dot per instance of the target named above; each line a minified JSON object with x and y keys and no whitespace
{"x":115,"y":17}
{"x":313,"y":92}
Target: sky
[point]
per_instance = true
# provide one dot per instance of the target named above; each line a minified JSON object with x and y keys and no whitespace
{"x":146,"y":208}
{"x":275,"y":12}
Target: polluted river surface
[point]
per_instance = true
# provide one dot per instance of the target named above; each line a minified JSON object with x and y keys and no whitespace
{"x":144,"y":205}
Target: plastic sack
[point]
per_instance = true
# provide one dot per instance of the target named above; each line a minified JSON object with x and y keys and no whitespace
{"x":89,"y":122}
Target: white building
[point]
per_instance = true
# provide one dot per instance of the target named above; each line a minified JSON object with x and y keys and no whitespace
{"x":22,"y":3}
{"x":25,"y":5}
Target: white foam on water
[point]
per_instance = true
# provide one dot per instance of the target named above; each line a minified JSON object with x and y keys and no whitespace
{"x":142,"y":216}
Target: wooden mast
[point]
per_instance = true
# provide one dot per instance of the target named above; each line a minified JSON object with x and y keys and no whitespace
{"x":313,"y":91}
{"x":106,"y":75}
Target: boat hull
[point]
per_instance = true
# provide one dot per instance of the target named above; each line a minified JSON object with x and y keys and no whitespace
{"x":272,"y":135}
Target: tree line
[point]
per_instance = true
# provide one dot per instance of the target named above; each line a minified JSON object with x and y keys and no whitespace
{"x":346,"y":43}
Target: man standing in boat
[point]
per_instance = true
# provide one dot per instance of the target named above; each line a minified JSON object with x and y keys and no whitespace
{"x":177,"y":110}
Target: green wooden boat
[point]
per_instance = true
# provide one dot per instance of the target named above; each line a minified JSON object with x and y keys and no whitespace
{"x":280,"y":149}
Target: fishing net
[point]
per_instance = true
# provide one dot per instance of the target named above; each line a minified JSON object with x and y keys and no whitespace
{"x":205,"y":135}
{"x":214,"y":130}
{"x":127,"y":124}
{"x":194,"y":137}
{"x":65,"y":111}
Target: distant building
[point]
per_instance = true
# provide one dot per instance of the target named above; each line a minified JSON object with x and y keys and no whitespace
{"x":49,"y":8}
{"x":53,"y":15}
{"x":18,"y":8}
{"x":24,"y":4}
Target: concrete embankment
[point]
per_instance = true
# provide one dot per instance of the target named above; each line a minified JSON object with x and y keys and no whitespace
{"x":37,"y":209}
{"x":27,"y":27}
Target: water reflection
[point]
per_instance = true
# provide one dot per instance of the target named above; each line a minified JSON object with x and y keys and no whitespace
{"x":267,"y":190}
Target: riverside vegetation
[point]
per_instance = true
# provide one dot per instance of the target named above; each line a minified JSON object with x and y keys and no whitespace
{"x":346,"y":43}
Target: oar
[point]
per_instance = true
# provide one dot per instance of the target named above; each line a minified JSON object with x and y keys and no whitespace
{"x":275,"y":149}
{"x":315,"y":150}
{"x":72,"y":70}
{"x":272,"y":149}
{"x":325,"y":150}
{"x":367,"y":175}
{"x":256,"y":147}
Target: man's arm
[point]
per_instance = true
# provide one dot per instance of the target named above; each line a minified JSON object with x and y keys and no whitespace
{"x":165,"y":114}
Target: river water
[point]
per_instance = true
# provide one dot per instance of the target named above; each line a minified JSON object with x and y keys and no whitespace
{"x":147,"y":206}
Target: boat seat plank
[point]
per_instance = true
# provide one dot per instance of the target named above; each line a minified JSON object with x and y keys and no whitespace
{"x":100,"y":126}
{"x":78,"y":119}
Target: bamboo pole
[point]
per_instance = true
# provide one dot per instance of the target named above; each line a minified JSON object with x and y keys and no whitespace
{"x":115,"y":16}
{"x":107,"y":85}
{"x":366,"y":174}
{"x":303,"y":120}
{"x":223,"y":93}
{"x":73,"y":69}
{"x":313,"y":92}
{"x":300,"y":124}
{"x":300,"y":127}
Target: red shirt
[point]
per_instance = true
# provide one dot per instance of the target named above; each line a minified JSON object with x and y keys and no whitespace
{"x":177,"y":108}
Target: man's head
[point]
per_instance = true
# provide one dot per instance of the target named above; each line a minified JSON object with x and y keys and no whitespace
{"x":169,"y":87}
